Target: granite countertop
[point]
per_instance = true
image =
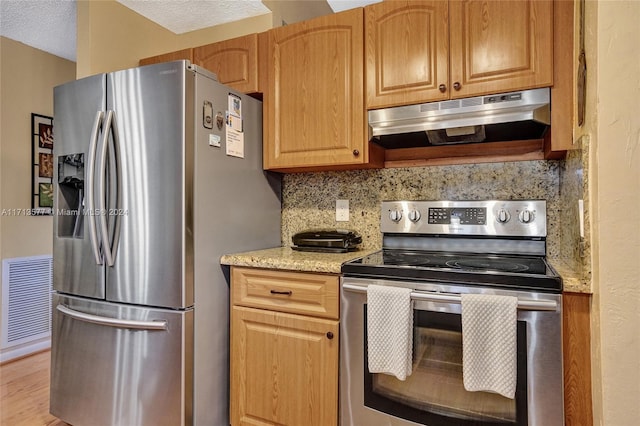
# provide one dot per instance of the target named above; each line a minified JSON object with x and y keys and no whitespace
{"x":285,"y":258}
{"x":573,"y":280}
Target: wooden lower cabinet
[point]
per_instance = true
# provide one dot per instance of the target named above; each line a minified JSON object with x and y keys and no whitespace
{"x":284,"y":366}
{"x":285,"y":349}
{"x":576,"y":330}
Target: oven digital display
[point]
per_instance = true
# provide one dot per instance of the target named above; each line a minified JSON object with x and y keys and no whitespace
{"x":466,"y":215}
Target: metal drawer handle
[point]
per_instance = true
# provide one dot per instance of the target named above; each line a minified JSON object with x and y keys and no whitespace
{"x":112,"y":322}
{"x":286,"y":293}
{"x":523,"y":304}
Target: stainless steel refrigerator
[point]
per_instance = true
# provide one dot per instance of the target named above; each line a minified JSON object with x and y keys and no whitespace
{"x":158,"y":172}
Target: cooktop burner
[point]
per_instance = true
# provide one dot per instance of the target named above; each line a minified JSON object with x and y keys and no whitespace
{"x":487,"y":265}
{"x":490,"y":243}
{"x":530,"y":272}
{"x":460,"y":261}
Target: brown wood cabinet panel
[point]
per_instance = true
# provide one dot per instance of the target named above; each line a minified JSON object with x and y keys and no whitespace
{"x":234,"y":61}
{"x":563,"y":96}
{"x":425,"y":51}
{"x":314,"y":103}
{"x":284,"y":369}
{"x":487,"y":152}
{"x":499,"y":46}
{"x":263,"y":69}
{"x":576,"y":329}
{"x":293,"y":292}
{"x":406,"y":52}
{"x":168,"y":57}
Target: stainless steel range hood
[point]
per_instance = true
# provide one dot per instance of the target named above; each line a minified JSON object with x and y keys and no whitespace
{"x":506,"y":116}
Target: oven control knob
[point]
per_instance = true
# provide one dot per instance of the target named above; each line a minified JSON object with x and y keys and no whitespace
{"x":414,"y":216}
{"x":503,"y":216}
{"x":395,"y":215}
{"x":526,"y":216}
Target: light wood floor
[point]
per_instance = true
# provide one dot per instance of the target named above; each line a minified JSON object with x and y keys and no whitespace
{"x":24,"y":392}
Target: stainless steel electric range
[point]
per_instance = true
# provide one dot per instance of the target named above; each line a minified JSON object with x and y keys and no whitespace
{"x":442,"y":250}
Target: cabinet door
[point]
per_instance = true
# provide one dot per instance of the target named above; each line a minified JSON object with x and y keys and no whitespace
{"x":168,"y":57}
{"x":407,"y":52}
{"x":235,"y":62}
{"x":314,"y":104}
{"x":284,"y":369}
{"x":499,"y":46}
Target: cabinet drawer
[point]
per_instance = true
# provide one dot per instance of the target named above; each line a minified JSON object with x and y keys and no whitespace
{"x":294,"y":292}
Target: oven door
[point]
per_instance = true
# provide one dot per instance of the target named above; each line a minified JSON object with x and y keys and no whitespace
{"x":434,"y":394}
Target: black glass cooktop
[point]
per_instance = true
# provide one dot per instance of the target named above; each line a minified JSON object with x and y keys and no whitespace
{"x":513,"y":271}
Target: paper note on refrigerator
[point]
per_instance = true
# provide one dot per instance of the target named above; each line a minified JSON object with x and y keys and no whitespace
{"x":234,"y":122}
{"x":235,"y":105}
{"x":235,"y":142}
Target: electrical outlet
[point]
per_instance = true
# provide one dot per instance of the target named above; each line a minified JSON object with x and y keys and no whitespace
{"x":342,"y":210}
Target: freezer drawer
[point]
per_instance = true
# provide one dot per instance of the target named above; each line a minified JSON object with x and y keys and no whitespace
{"x":120,"y":365}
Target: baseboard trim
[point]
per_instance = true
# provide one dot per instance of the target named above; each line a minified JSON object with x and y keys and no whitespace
{"x":13,"y":354}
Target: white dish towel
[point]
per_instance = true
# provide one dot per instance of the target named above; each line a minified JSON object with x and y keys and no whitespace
{"x":489,"y":343}
{"x":389,"y":330}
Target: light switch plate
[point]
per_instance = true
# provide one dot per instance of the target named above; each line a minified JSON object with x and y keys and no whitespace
{"x":342,"y":210}
{"x":581,"y":217}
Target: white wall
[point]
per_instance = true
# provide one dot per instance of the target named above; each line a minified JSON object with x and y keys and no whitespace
{"x":615,"y":190}
{"x":27,"y":78}
{"x":104,"y":47}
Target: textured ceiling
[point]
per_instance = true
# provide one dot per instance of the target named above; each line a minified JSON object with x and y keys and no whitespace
{"x":340,"y":5}
{"x":50,"y":25}
{"x":44,"y":24}
{"x":181,"y":16}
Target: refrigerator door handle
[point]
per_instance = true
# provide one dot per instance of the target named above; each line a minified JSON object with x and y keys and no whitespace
{"x":102,"y":208}
{"x":113,"y":322}
{"x":91,"y":204}
{"x":115,"y":170}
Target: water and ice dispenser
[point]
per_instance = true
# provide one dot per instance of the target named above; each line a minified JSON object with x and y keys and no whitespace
{"x":71,"y":192}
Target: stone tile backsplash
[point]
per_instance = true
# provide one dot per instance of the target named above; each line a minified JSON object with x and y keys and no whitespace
{"x":576,"y":250}
{"x":309,"y":199}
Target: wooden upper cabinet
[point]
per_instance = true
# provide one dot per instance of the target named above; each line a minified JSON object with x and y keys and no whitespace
{"x":500,"y":46}
{"x":564,"y":90}
{"x":168,"y":57}
{"x":234,"y":61}
{"x":406,"y":52}
{"x":425,"y":51}
{"x":314,"y":114}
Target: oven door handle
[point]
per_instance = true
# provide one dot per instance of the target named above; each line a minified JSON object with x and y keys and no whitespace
{"x":523,"y":304}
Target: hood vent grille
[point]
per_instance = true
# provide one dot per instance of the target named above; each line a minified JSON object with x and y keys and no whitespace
{"x":520,"y":115}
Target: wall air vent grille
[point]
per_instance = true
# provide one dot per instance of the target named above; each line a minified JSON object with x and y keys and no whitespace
{"x":27,"y":284}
